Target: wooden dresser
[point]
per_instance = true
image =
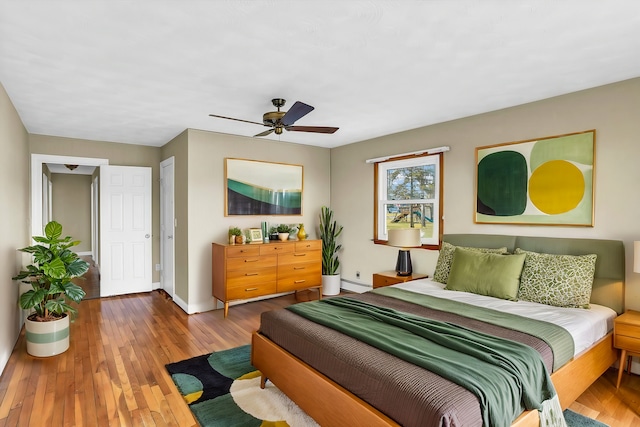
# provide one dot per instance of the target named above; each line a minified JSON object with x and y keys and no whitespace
{"x":247,"y":271}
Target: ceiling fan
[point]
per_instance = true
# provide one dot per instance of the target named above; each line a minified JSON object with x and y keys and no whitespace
{"x":284,"y":120}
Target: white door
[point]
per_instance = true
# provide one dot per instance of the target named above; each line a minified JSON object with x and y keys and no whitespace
{"x":167,"y":226}
{"x":125,"y":230}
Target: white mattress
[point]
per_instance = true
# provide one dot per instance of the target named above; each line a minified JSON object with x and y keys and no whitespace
{"x":585,"y":326}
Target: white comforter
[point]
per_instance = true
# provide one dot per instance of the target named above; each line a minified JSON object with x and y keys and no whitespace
{"x":585,"y":326}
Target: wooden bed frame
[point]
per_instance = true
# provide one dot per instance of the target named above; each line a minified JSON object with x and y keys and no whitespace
{"x":331,"y":404}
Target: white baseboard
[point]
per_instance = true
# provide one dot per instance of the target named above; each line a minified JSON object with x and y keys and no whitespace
{"x":349,"y":285}
{"x":155,"y":285}
{"x":85,"y":253}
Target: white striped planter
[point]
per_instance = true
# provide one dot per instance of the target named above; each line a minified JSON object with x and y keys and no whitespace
{"x":45,"y":339}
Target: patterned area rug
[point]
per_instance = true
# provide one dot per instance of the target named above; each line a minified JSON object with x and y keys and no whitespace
{"x":222,"y":389}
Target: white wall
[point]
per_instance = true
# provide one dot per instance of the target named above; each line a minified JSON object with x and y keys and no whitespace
{"x":613,"y":110}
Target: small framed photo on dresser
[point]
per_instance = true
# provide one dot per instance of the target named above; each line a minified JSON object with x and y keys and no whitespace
{"x":256,"y":235}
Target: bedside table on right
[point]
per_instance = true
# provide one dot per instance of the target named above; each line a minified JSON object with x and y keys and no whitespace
{"x":386,"y":278}
{"x":626,"y":337}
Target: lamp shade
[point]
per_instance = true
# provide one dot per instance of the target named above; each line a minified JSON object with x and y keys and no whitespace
{"x":404,"y":238}
{"x":636,"y":257}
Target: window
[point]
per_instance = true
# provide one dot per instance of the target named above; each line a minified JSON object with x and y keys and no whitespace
{"x":408,"y":194}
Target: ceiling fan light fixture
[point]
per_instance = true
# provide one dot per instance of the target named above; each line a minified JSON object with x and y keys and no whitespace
{"x":284,"y":120}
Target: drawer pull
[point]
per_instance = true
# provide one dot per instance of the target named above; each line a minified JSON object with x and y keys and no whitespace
{"x":250,"y":274}
{"x":299,"y":268}
{"x":251,"y":289}
{"x":299,"y":281}
{"x":251,"y":260}
{"x":299,"y":254}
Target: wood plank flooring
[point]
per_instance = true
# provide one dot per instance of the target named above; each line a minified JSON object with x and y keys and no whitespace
{"x":114,"y":375}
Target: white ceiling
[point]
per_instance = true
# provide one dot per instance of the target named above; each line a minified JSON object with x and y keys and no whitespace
{"x":141,"y":72}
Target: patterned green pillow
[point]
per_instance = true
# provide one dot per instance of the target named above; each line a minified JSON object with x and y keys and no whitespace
{"x":445,"y":258}
{"x":558,"y":280}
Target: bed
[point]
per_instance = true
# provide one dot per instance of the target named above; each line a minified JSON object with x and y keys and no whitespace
{"x":295,"y":368}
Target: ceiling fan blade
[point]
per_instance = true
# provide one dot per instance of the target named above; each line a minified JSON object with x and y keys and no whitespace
{"x":265,"y":133}
{"x":297,"y":110}
{"x":316,"y":129}
{"x":237,"y":120}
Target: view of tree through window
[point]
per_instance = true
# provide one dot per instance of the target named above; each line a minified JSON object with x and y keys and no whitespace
{"x":408,"y":196}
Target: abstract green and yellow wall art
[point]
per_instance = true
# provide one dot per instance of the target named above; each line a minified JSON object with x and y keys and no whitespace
{"x":262,"y":188}
{"x":545,"y":181}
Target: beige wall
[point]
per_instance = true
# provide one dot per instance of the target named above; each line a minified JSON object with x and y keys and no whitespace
{"x":205,"y":187}
{"x":118,"y":154}
{"x":71,"y":207}
{"x":612,"y":110}
{"x":14,"y":226}
{"x":178,"y":148}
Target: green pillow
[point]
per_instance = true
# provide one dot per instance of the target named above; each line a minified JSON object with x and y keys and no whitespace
{"x":558,"y":280}
{"x":443,"y":266}
{"x":490,"y":274}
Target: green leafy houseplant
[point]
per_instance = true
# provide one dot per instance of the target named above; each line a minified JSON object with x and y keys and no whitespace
{"x":329,"y":232}
{"x":54,"y":265}
{"x":235,"y":231}
{"x":284,"y":228}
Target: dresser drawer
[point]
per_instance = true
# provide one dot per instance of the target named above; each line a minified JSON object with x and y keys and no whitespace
{"x":299,"y":257}
{"x":309,"y":245}
{"x":242,"y":250}
{"x":276,"y":248}
{"x":627,"y":343}
{"x":240,"y":278}
{"x":251,"y":263}
{"x":301,"y":279}
{"x":251,"y":290}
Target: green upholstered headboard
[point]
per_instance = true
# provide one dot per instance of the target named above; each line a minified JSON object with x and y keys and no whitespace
{"x":608,"y":284}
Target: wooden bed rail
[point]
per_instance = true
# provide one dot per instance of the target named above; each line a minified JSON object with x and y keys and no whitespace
{"x":332,"y":405}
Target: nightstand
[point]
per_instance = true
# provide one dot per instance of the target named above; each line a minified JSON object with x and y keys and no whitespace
{"x":626,"y":337}
{"x":386,"y":278}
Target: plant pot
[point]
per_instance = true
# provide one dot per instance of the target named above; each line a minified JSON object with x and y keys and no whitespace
{"x":283,"y":236}
{"x":239,"y":240}
{"x":45,"y":339}
{"x":331,"y":284}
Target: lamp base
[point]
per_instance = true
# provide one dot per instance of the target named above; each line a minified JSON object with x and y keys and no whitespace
{"x":403,"y":265}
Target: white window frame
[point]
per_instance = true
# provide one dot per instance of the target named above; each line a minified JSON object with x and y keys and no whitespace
{"x":382,"y":201}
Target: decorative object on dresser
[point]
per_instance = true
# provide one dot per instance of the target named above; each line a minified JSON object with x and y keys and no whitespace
{"x":302,"y":234}
{"x":626,"y":337}
{"x":283,"y":231}
{"x":235,"y":235}
{"x":388,"y":278}
{"x":404,"y":238}
{"x":243,"y":272}
{"x":329,"y":232}
{"x":256,"y":235}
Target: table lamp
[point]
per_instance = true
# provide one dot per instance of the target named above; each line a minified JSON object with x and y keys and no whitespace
{"x":404,"y":238}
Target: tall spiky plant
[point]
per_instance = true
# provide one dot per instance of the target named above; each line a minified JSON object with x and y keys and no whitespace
{"x":54,"y":265}
{"x":329,"y":232}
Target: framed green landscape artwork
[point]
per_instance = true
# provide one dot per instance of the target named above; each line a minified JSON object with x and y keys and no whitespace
{"x":262,"y":188}
{"x":545,"y":181}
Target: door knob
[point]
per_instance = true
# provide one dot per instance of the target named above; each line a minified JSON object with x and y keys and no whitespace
{"x":146,"y":236}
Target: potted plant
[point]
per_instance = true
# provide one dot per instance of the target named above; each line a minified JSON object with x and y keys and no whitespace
{"x":273,"y":233}
{"x":329,"y":232}
{"x":283,"y":231}
{"x":54,"y":265}
{"x":235,"y":235}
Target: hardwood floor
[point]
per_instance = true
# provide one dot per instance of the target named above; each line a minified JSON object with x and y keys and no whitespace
{"x":113,"y":374}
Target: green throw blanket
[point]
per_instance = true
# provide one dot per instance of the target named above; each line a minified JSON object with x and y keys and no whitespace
{"x":507,"y":377}
{"x":558,"y":338}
